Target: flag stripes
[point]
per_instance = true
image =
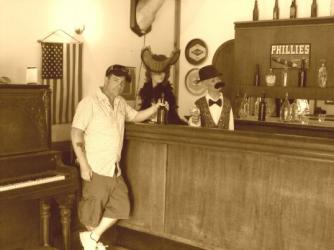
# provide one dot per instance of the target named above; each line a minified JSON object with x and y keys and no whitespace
{"x":67,"y":91}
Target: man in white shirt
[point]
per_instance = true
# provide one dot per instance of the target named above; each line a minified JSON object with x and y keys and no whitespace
{"x":212,"y":110}
{"x":97,"y":138}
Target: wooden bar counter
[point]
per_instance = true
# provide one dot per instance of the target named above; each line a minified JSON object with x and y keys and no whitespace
{"x":233,"y":190}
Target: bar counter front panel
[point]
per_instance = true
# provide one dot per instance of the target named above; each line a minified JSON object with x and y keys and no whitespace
{"x":230,"y":190}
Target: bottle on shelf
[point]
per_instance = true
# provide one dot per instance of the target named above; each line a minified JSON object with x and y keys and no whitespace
{"x":262,"y":108}
{"x":257,"y":75}
{"x":270,"y":78}
{"x":322,"y":75}
{"x":285,"y":112}
{"x":278,"y":104}
{"x":162,"y":111}
{"x":257,"y":105}
{"x":304,"y":107}
{"x":293,"y":9}
{"x":314,"y":9}
{"x":244,"y":107}
{"x":295,"y":111}
{"x":276,"y":11}
{"x":285,"y":75}
{"x":255,"y":11}
{"x":302,"y":74}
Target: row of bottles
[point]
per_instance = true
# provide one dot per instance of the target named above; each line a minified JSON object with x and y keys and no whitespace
{"x":296,"y":111}
{"x":270,"y":76}
{"x":293,"y":10}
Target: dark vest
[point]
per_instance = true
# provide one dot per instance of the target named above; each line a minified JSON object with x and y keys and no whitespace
{"x":206,"y":118}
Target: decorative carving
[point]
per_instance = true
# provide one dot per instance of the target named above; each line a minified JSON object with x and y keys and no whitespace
{"x":26,"y":120}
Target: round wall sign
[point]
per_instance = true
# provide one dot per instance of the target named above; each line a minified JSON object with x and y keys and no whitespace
{"x":196,"y":51}
{"x":193,"y":85}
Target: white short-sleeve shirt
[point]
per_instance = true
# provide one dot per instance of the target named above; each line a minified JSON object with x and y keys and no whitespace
{"x":103,"y":128}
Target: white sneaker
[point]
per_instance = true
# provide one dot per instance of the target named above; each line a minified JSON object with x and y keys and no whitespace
{"x":87,"y":241}
{"x":100,"y":246}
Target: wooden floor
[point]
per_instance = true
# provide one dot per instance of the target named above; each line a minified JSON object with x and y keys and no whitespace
{"x":76,"y":245}
{"x":120,"y":238}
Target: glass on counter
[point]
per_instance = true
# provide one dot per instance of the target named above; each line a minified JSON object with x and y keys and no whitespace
{"x":321,"y":117}
{"x":195,"y":114}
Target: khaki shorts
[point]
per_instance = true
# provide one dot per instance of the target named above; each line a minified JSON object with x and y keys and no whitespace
{"x":103,"y":196}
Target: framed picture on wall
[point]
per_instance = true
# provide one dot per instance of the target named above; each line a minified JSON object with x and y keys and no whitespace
{"x":130,"y":87}
{"x":196,"y":51}
{"x":193,"y":85}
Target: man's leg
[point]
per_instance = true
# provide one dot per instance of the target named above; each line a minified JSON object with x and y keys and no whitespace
{"x":104,"y":224}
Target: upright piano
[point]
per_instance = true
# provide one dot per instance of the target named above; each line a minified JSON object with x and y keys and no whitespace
{"x":29,"y":169}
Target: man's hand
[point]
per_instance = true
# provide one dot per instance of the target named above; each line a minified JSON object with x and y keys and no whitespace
{"x":160,"y":103}
{"x":86,"y":173}
{"x":195,"y":115}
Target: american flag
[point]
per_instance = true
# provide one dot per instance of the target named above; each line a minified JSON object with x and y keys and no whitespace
{"x":62,"y":71}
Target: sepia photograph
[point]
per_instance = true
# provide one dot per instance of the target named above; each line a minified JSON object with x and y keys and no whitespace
{"x":167,"y":125}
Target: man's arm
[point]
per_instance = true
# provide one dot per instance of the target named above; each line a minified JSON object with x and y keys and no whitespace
{"x":78,"y":143}
{"x":147,"y":113}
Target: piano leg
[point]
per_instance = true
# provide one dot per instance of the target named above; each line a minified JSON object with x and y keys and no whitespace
{"x":45,"y":222}
{"x":65,"y":204}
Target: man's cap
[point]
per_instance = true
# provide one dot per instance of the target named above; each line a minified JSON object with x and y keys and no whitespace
{"x":119,"y":70}
{"x":158,"y":63}
{"x":208,"y":72}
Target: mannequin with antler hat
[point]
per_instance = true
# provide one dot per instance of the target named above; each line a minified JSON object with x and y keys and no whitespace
{"x":157,"y":83}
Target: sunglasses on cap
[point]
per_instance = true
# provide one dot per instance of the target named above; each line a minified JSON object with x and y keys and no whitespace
{"x":118,"y":70}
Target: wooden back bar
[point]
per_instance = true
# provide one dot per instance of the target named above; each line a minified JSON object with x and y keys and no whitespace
{"x":228,"y":190}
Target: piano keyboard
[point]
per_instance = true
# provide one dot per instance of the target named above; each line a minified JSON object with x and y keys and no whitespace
{"x":30,"y":183}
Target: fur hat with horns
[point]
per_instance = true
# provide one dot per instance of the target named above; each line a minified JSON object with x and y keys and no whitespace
{"x":158,"y":63}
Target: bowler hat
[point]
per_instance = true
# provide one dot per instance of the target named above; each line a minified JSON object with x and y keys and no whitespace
{"x":208,"y":72}
{"x":119,"y":70}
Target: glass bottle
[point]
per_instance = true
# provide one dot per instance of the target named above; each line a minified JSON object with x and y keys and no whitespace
{"x":302,"y":74}
{"x":304,"y":108}
{"x":262,"y":108}
{"x":285,"y":75}
{"x":293,"y":9}
{"x":244,"y":107}
{"x":276,"y":11}
{"x":270,"y":78}
{"x":314,"y":9}
{"x":294,"y":111}
{"x":256,"y":106}
{"x":285,"y":112}
{"x":162,"y":111}
{"x":322,"y":75}
{"x":257,"y":75}
{"x":255,"y":12}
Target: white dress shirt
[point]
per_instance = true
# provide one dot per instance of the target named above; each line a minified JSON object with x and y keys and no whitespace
{"x":103,"y":127}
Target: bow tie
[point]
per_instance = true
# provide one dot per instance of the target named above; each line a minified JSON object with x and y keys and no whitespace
{"x":218,"y":102}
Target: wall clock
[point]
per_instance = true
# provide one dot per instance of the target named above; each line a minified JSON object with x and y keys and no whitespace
{"x":193,"y":85}
{"x":196,"y":51}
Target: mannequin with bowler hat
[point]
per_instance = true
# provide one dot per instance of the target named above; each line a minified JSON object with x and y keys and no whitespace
{"x":215,"y":110}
